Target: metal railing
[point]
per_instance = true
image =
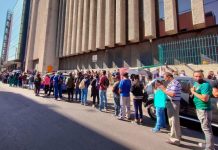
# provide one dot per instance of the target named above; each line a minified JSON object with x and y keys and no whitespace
{"x":200,"y":50}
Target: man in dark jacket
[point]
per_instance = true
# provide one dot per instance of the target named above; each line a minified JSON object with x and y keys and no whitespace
{"x":70,"y":86}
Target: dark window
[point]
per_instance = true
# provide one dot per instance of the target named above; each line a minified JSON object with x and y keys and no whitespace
{"x":161,"y":18}
{"x":184,"y":15}
{"x":211,"y":12}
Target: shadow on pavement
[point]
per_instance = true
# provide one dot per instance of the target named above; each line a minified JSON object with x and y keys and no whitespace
{"x":26,"y":125}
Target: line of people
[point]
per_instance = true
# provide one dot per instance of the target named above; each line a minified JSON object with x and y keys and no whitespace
{"x":165,"y":97}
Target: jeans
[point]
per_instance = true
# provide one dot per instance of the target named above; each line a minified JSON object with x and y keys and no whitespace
{"x":51,"y":89}
{"x":205,"y":118}
{"x":117,"y":105}
{"x":78,"y":91}
{"x":161,"y":119}
{"x":84,"y":96}
{"x":173,"y":108}
{"x":103,"y":99}
{"x":94,"y":98}
{"x":70,"y":92}
{"x":58,"y":91}
{"x":125,"y":107}
{"x":37,"y":89}
{"x":138,"y":108}
{"x":31,"y":85}
{"x":46,"y":89}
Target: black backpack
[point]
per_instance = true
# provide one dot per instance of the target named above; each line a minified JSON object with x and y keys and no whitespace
{"x":106,"y":82}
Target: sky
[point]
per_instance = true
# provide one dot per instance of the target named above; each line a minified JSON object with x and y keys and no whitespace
{"x":4,"y":6}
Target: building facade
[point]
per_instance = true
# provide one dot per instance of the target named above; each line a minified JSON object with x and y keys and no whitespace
{"x":15,"y":37}
{"x":90,"y":34}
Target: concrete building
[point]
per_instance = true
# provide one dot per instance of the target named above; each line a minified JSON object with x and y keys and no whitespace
{"x":69,"y":34}
{"x":15,"y":37}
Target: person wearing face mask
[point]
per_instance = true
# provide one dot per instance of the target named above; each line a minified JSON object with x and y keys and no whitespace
{"x":202,"y":92}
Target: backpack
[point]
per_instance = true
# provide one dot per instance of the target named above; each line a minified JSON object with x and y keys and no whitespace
{"x":106,"y":82}
{"x":116,"y":88}
{"x":60,"y":80}
{"x":31,"y":79}
{"x":82,"y":84}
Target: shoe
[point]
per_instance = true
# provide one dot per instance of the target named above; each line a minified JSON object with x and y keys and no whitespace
{"x":202,"y":145}
{"x":173,"y":143}
{"x":93,"y":106}
{"x":154,"y":130}
{"x":120,"y":118}
{"x":140,"y":121}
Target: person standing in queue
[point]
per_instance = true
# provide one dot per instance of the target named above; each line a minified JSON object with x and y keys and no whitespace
{"x":58,"y":81}
{"x":173,"y":91}
{"x":202,"y":92}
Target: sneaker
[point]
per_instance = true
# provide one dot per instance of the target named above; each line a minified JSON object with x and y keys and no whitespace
{"x":155,"y":130}
{"x":202,"y":145}
{"x":93,"y":106}
{"x":120,"y":118}
{"x":177,"y":143}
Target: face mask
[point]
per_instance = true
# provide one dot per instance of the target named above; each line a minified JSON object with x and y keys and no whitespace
{"x":200,"y":81}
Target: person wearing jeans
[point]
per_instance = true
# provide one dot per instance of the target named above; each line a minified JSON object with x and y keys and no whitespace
{"x":124,"y":89}
{"x":103,"y":99}
{"x":84,"y":91}
{"x":137,"y":91}
{"x":103,"y":91}
{"x":173,"y":91}
{"x":116,"y":95}
{"x":160,"y":104}
{"x":202,"y":91}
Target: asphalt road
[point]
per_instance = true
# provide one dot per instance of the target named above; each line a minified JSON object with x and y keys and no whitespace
{"x":37,"y":123}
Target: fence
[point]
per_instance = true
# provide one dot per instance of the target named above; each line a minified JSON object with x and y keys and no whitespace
{"x":200,"y":50}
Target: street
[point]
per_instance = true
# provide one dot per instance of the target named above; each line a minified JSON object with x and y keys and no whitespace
{"x":38,"y":123}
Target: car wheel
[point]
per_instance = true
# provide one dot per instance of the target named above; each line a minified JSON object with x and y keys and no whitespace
{"x":151,"y":111}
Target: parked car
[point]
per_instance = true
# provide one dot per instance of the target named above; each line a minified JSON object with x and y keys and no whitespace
{"x":187,"y":107}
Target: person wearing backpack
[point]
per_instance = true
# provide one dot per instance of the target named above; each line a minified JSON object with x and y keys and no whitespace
{"x":31,"y":82}
{"x":137,"y":91}
{"x":51,"y":86}
{"x":104,"y":83}
{"x":37,"y":83}
{"x":84,"y":89}
{"x":116,"y":95}
{"x":70,"y":86}
{"x":58,"y":81}
{"x":78,"y":79}
{"x":95,"y":90}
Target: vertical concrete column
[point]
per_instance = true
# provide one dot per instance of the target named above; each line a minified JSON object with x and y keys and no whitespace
{"x":74,"y":30}
{"x":59,"y":28}
{"x":47,"y":55}
{"x":31,"y":35}
{"x":133,"y":20}
{"x":170,"y":16}
{"x":109,"y":23}
{"x":66,"y":27}
{"x":100,"y":34}
{"x":149,"y":19}
{"x":85,"y":31}
{"x":79,"y":28}
{"x":198,"y":16}
{"x":92,"y":25}
{"x":120,"y":26}
{"x":63,"y":12}
{"x":69,"y":26}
